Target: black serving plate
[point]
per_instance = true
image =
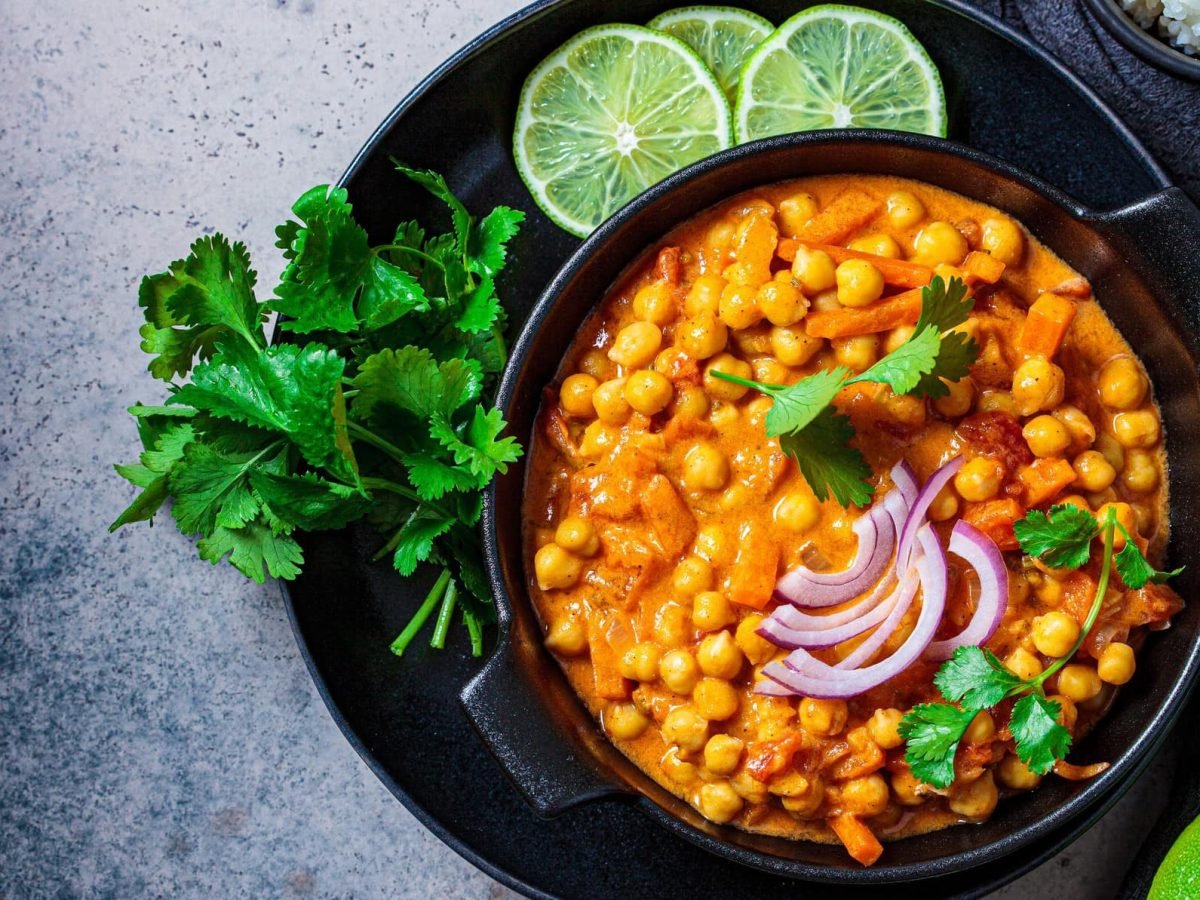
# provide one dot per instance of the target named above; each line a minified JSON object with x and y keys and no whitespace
{"x":403,"y":716}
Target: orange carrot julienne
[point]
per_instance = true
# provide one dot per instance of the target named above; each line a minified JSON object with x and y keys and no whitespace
{"x":884,"y":315}
{"x":859,"y":840}
{"x":898,"y":272}
{"x":983,"y":267}
{"x":755,"y":570}
{"x":1045,"y":479}
{"x":606,"y":672}
{"x":1046,"y":325}
{"x":848,"y":212}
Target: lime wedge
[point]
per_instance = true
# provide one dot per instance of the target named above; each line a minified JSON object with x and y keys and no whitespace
{"x":723,"y":36}
{"x":1179,"y":874}
{"x":614,"y":110}
{"x":839,"y":67}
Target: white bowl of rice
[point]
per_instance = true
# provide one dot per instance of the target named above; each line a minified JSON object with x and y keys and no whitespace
{"x":1175,"y":21}
{"x":1163,"y":32}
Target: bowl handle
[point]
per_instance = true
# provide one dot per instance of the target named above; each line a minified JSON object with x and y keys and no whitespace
{"x":512,"y":716}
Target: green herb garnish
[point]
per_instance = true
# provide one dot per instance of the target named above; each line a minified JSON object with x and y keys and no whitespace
{"x":378,"y":413}
{"x":813,"y":433}
{"x":976,"y":680}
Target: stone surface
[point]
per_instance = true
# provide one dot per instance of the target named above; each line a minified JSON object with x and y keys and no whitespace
{"x":159,"y":734}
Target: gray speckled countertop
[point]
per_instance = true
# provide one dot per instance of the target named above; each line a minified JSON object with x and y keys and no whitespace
{"x":159,"y":734}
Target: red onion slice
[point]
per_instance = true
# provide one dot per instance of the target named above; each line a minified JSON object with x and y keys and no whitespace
{"x":906,"y":593}
{"x":920,"y":506}
{"x":982,"y":554}
{"x":805,"y":675}
{"x":905,"y":480}
{"x":797,"y":620}
{"x":781,"y":635}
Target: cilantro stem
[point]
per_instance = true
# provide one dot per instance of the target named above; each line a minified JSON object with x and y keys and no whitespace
{"x":442,"y":626}
{"x":400,"y":644}
{"x":747,"y":383}
{"x":475,"y":630}
{"x":383,"y":484}
{"x":411,"y":251}
{"x":1110,"y":527}
{"x":376,"y":441}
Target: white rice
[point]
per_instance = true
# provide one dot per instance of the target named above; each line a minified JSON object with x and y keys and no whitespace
{"x":1176,"y":21}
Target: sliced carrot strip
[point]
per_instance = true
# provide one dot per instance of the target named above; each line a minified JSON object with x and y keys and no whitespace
{"x":884,"y":315}
{"x":672,"y":520}
{"x":1046,"y":325}
{"x":1045,"y":479}
{"x":606,"y":672}
{"x":755,"y":570}
{"x":898,"y":272}
{"x":859,"y":840}
{"x":849,"y":211}
{"x":996,"y":518}
{"x":982,"y":267}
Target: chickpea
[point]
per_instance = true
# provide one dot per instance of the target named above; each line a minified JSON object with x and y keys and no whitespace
{"x":1016,"y":775}
{"x":904,"y":210}
{"x":636,"y":345}
{"x":814,"y":269}
{"x":718,"y":240}
{"x":907,"y":788}
{"x":686,"y":728}
{"x":1092,"y":471}
{"x":944,"y":506}
{"x":1140,"y":474}
{"x":672,"y":624}
{"x":715,"y":699}
{"x":781,"y":302}
{"x":792,"y":346}
{"x":858,"y":283}
{"x":958,"y":401}
{"x":678,"y":770}
{"x":722,"y":754}
{"x":1138,"y":429}
{"x":1117,"y":664}
{"x":823,"y":716}
{"x":976,"y":800}
{"x":1023,"y":664}
{"x":705,"y":468}
{"x":826,"y":301}
{"x":805,"y":804}
{"x":556,"y":568}
{"x":770,"y":371}
{"x":739,"y":306}
{"x":609,"y":401}
{"x":940,"y":243}
{"x":692,"y":576}
{"x":795,"y":211}
{"x":884,"y":728}
{"x":711,"y":611}
{"x":877,"y":245}
{"x":597,"y":364}
{"x":798,"y":511}
{"x":702,"y":336}
{"x":981,"y":729}
{"x":712,"y":544}
{"x":598,"y":439}
{"x":1046,"y":436}
{"x":1079,"y":502}
{"x":1125,"y":517}
{"x":856,"y":353}
{"x":655,"y":302}
{"x":719,"y":655}
{"x":648,"y":392}
{"x":718,"y":388}
{"x":624,"y":721}
{"x":865,"y":796}
{"x":1004,"y":240}
{"x":756,"y":648}
{"x":577,"y":535}
{"x":897,"y":336}
{"x":575,"y":395}
{"x":679,"y":671}
{"x":567,"y":637}
{"x":997,"y":401}
{"x":1055,"y":633}
{"x":1068,"y":714}
{"x":704,"y":296}
{"x":757,"y":409}
{"x":640,"y":662}
{"x":1122,"y":384}
{"x":1112,"y":451}
{"x":690,"y":400}
{"x":1037,"y":385}
{"x":719,"y":802}
{"x":979,"y":479}
{"x":1078,"y":682}
{"x":1078,"y":425}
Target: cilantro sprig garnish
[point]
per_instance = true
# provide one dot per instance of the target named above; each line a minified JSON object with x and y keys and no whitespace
{"x":812,"y":432}
{"x":975,"y":680}
{"x":375,"y":411}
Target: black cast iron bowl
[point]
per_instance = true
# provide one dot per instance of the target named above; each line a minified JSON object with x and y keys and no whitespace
{"x":1148,"y":46}
{"x":1144,"y":264}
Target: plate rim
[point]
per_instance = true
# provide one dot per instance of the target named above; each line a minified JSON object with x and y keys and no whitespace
{"x":475,"y":47}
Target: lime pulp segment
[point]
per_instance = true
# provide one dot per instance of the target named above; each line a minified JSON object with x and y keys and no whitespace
{"x":613,"y":111}
{"x":722,"y":35}
{"x":839,"y":67}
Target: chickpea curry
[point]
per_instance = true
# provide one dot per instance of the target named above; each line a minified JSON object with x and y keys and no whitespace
{"x":663,"y":523}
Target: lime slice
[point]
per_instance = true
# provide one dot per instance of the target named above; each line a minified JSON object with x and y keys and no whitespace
{"x":723,"y":36}
{"x":1179,"y":873}
{"x":839,"y":67}
{"x":614,"y":110}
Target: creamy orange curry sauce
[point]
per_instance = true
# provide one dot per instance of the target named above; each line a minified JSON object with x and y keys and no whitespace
{"x":660,"y":516}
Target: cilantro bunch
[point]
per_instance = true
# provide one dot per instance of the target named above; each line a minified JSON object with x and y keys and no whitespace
{"x":818,"y":437}
{"x":976,"y":680}
{"x":374,"y":408}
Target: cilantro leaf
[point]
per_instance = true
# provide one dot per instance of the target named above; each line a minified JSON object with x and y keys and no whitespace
{"x":200,"y":298}
{"x":388,"y":293}
{"x":827,"y":461}
{"x":212,"y":488}
{"x":252,"y":548}
{"x":956,"y":353}
{"x":944,"y":305}
{"x":905,"y":367}
{"x":932,"y":732}
{"x":412,"y":380}
{"x":476,"y":446}
{"x":799,"y":404}
{"x":433,"y":479}
{"x":308,"y":501}
{"x":415,"y":539}
{"x":1060,"y":539}
{"x":436,"y":185}
{"x":1039,"y":737}
{"x":1135,"y":570}
{"x":488,"y":239}
{"x":480,"y":309}
{"x":975,"y":677}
